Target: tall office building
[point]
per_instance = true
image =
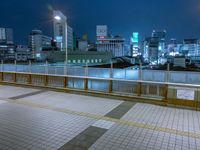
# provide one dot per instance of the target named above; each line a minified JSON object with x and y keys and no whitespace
{"x":191,"y":48}
{"x":161,"y":35}
{"x":37,"y":42}
{"x":105,"y":43}
{"x":6,"y":36}
{"x":70,"y":38}
{"x":134,"y":44}
{"x":60,"y":30}
{"x":7,"y":47}
{"x":150,"y":49}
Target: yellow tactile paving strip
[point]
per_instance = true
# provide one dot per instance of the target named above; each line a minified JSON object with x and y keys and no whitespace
{"x":121,"y":122}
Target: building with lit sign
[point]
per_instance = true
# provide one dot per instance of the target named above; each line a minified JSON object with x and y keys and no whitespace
{"x":134,"y":44}
{"x":105,"y":43}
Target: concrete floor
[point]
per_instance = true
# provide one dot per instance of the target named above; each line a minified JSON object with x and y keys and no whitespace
{"x":33,"y":119}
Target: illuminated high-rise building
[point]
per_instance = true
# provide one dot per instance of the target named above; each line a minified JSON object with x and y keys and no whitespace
{"x":60,"y":30}
{"x":106,"y":43}
{"x":161,"y":35}
{"x":134,"y":44}
{"x":37,"y":42}
{"x":6,"y":35}
{"x":7,"y":47}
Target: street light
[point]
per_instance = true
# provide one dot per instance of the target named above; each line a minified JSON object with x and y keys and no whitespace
{"x":57,"y":18}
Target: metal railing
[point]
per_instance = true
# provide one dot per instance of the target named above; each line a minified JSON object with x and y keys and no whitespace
{"x":155,"y":85}
{"x":127,"y":74}
{"x":130,"y":89}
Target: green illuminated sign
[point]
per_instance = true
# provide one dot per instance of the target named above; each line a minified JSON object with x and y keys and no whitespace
{"x":135,"y":37}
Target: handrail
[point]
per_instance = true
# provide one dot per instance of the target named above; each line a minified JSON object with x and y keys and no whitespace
{"x":109,"y":79}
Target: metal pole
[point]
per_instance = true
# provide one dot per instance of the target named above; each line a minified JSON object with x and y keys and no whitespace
{"x":65,"y":68}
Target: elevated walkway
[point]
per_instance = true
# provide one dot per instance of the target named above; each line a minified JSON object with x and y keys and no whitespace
{"x":38,"y":118}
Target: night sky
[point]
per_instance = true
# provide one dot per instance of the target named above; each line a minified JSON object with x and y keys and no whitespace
{"x":181,"y":18}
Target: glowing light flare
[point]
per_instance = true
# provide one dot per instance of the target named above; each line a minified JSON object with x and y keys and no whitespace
{"x":57,"y":18}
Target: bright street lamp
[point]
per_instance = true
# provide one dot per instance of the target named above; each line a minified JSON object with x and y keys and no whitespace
{"x":57,"y":18}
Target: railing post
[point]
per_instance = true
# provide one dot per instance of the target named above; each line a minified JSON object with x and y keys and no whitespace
{"x":139,"y":89}
{"x":30,"y":79}
{"x":15,"y":62}
{"x":30,"y":66}
{"x":166,"y":93}
{"x":65,"y":82}
{"x":55,"y":70}
{"x":167,"y":74}
{"x":46,"y":68}
{"x":86,"y":84}
{"x":111,"y":69}
{"x":140,"y":71}
{"x":15,"y":77}
{"x":2,"y":66}
{"x":1,"y":76}
{"x":46,"y":80}
{"x":139,"y":85}
{"x":110,"y":86}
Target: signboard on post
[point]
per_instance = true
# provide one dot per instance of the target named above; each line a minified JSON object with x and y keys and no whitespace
{"x":185,"y":94}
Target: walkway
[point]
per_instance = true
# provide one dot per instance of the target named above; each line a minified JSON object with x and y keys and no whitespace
{"x":33,"y":119}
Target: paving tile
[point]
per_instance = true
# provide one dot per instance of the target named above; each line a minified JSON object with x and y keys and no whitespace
{"x":23,"y":126}
{"x":27,"y":95}
{"x":12,"y":91}
{"x":103,"y":124}
{"x":120,"y":110}
{"x":80,"y":103}
{"x":85,"y":139}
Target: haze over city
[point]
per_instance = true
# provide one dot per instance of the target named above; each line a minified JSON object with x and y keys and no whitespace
{"x":179,"y":18}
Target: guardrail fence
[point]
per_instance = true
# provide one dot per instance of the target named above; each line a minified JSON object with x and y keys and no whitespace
{"x":150,"y":91}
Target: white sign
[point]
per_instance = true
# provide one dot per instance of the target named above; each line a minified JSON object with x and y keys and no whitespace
{"x":102,"y":31}
{"x":185,"y":94}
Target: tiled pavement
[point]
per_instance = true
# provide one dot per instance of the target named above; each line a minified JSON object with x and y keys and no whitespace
{"x":52,"y":120}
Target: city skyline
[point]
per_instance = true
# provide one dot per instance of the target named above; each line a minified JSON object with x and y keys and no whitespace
{"x":179,"y":18}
